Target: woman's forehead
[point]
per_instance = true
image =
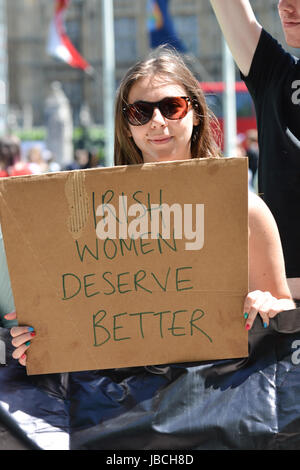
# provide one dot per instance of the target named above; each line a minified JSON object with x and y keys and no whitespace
{"x":154,"y":88}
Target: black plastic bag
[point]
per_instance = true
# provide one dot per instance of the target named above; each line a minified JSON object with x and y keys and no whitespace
{"x":248,"y":403}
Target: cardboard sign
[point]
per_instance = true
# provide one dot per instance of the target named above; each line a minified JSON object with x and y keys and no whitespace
{"x":129,"y":266}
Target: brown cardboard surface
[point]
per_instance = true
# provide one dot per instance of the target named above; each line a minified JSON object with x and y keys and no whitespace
{"x":97,"y":303}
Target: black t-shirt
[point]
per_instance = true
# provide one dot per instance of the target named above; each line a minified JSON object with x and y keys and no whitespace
{"x":274,"y":84}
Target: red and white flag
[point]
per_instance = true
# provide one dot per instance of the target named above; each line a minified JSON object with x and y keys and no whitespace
{"x":59,"y":44}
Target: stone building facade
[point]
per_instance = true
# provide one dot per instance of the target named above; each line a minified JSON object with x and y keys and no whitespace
{"x":32,"y":70}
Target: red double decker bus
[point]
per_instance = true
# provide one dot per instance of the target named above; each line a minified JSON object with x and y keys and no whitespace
{"x":245,"y":111}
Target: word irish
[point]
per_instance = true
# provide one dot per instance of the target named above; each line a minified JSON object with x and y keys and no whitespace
{"x":157,"y":220}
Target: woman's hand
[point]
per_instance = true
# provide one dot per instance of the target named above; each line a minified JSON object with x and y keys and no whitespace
{"x":22,"y":336}
{"x":264,"y":304}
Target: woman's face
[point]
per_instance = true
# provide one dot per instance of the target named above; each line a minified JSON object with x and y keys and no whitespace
{"x":161,"y":139}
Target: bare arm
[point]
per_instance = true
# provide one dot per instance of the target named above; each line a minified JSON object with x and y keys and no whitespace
{"x":269,"y":291}
{"x":240,"y":29}
{"x":266,"y":262}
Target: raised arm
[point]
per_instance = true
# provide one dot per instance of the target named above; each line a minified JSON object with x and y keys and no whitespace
{"x":240,"y":29}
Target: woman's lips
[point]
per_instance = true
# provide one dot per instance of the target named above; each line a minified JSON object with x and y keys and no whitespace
{"x":160,"y":140}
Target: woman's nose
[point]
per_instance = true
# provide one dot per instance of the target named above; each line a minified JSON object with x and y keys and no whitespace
{"x":157,"y":118}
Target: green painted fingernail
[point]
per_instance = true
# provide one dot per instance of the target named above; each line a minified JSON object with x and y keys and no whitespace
{"x":27,"y":343}
{"x":246,"y":315}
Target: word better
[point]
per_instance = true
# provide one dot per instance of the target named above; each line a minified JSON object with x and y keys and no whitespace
{"x":119,"y":327}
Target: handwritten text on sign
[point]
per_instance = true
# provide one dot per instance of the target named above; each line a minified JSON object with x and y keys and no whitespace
{"x":125,"y":229}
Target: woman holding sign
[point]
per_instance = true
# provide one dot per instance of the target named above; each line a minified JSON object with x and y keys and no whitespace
{"x":161,"y":115}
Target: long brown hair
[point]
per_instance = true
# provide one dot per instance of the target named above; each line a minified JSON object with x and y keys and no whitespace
{"x":167,"y":63}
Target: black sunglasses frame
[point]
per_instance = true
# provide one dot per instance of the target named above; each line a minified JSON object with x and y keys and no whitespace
{"x":154,"y":104}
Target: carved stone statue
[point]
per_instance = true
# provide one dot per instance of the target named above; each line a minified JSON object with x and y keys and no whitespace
{"x":59,"y":125}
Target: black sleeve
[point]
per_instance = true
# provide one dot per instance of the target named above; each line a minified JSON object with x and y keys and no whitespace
{"x":273,"y":76}
{"x":269,"y":63}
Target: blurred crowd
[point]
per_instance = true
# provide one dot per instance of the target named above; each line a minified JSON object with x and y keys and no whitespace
{"x":38,"y":160}
{"x":247,"y":146}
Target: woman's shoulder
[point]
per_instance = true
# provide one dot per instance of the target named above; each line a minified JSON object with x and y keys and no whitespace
{"x":261,"y":219}
{"x":256,"y":205}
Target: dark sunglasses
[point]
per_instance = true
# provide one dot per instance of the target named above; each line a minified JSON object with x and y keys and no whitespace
{"x":140,"y":112}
